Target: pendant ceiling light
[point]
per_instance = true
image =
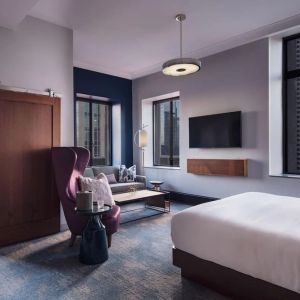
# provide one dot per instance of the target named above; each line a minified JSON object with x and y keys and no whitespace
{"x":181,"y":66}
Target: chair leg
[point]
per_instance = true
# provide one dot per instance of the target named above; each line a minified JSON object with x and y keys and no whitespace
{"x":109,"y":240}
{"x":72,"y":240}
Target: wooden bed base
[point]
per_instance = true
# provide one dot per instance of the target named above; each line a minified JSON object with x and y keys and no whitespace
{"x":227,"y":281}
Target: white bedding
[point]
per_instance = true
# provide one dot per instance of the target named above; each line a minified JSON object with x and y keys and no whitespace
{"x":254,"y":233}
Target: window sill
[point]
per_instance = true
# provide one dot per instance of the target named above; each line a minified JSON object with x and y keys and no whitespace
{"x":296,"y":176}
{"x":162,"y":167}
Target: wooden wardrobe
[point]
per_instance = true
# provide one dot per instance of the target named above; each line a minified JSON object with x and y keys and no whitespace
{"x":29,"y":128}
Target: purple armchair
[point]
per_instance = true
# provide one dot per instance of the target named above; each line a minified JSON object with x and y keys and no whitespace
{"x":68,"y":164}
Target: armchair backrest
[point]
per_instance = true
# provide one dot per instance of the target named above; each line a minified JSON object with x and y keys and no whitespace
{"x":68,"y":164}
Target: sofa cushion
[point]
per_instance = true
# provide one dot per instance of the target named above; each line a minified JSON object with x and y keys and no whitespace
{"x":106,"y":170}
{"x":124,"y":187}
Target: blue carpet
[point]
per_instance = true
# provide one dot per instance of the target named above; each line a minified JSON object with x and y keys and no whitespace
{"x":139,"y":267}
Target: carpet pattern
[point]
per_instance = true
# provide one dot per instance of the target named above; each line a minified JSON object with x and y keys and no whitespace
{"x":139,"y":267}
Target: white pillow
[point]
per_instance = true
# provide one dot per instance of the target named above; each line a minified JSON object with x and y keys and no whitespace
{"x":131,"y":173}
{"x":127,"y":175}
{"x":123,"y":176}
{"x":99,"y":187}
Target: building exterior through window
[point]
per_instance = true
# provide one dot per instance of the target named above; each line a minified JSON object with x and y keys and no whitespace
{"x":93,"y":130}
{"x":291,"y":104}
{"x":166,"y":132}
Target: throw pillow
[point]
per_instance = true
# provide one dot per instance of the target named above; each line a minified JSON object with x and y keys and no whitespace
{"x":123,"y":175}
{"x":110,"y":177}
{"x":127,"y":175}
{"x":99,"y":187}
{"x":131,"y":173}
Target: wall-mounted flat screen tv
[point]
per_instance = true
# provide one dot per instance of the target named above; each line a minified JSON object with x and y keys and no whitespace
{"x":216,"y":131}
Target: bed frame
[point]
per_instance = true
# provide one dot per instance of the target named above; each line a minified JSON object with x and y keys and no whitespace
{"x":227,"y":281}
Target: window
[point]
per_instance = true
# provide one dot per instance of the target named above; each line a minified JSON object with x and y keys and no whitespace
{"x":93,"y":130}
{"x":291,"y":104}
{"x":166,"y":132}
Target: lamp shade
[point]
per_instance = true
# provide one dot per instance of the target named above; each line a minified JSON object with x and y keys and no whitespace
{"x":142,"y":138}
{"x":181,"y":66}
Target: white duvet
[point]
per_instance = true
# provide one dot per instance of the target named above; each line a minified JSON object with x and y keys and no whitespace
{"x":254,"y":233}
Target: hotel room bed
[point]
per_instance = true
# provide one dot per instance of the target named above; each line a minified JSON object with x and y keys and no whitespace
{"x":247,"y":245}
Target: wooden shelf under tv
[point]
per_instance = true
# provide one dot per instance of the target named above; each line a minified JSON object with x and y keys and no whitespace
{"x":218,"y":167}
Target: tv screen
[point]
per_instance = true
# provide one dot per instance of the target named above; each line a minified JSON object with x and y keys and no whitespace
{"x":216,"y":131}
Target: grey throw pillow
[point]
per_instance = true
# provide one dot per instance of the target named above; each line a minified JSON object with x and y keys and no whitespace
{"x":111,"y":178}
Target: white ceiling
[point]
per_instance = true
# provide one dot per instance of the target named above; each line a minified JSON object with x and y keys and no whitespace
{"x":132,"y":38}
{"x":12,"y":12}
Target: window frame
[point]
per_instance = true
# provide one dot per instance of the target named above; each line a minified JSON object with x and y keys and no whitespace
{"x":171,"y":165}
{"x":286,"y":75}
{"x":91,"y":102}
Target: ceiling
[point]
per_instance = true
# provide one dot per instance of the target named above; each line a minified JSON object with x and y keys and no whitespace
{"x":132,"y":38}
{"x":12,"y":12}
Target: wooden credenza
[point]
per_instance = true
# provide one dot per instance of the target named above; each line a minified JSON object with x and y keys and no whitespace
{"x":29,"y":128}
{"x":218,"y":167}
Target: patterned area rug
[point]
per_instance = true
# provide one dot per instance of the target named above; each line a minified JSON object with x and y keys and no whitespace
{"x":139,"y":267}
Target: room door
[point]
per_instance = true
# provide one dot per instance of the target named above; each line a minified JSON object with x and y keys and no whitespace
{"x":29,"y":128}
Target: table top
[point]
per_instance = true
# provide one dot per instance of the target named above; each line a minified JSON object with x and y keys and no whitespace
{"x":139,"y":194}
{"x":156,"y":182}
{"x":96,"y":211}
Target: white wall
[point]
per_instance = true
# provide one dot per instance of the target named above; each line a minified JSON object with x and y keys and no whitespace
{"x":275,"y":107}
{"x":236,"y":79}
{"x":116,"y":135}
{"x":39,"y":55}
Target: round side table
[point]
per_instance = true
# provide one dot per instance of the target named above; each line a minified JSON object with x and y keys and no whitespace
{"x":93,"y":245}
{"x":156,"y":184}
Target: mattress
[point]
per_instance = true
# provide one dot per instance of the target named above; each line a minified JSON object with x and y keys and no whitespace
{"x":257,"y":234}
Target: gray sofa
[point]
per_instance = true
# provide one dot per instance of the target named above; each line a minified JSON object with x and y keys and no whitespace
{"x":120,"y":187}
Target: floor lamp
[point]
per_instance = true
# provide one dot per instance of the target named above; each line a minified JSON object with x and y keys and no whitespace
{"x":141,"y":142}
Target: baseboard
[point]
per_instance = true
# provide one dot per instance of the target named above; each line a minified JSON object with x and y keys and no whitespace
{"x":190,"y":198}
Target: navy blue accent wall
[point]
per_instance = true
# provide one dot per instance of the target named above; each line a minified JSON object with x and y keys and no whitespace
{"x":119,"y":91}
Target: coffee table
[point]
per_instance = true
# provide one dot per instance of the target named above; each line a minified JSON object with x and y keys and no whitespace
{"x":159,"y":201}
